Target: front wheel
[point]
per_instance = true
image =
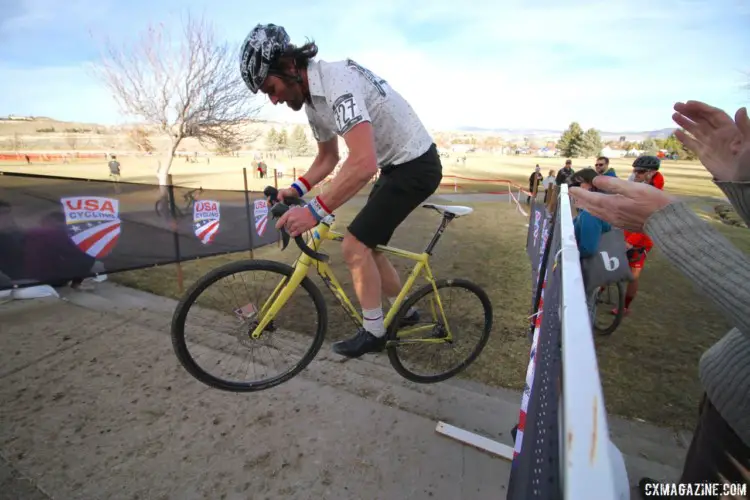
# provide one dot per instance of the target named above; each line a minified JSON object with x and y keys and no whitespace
{"x":213,"y":323}
{"x":607,"y":307}
{"x":451,"y":330}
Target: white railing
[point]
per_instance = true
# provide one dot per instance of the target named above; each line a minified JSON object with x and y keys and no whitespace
{"x":591,"y":467}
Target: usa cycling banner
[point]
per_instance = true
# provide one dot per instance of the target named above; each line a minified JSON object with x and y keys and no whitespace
{"x":260,"y":214}
{"x":206,"y":220}
{"x":54,"y":229}
{"x":93,"y":223}
{"x":539,"y":225}
{"x":536,"y":436}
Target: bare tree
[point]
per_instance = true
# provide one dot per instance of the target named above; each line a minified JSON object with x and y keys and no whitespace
{"x":72,"y":140}
{"x":139,"y":137}
{"x":191,"y":88}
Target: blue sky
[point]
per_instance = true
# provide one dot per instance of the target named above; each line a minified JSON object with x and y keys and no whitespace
{"x":616,"y":65}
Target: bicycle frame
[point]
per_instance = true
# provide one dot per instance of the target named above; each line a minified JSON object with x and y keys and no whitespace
{"x":322,"y":233}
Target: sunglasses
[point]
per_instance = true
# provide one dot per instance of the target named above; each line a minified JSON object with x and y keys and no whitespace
{"x":599,"y":164}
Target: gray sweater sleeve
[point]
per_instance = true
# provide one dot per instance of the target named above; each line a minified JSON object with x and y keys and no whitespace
{"x":706,"y":257}
{"x":739,"y":196}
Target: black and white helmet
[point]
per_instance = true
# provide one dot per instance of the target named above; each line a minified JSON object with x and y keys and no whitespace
{"x":260,"y":50}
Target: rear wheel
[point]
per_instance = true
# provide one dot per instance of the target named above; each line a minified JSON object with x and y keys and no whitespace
{"x":438,"y":347}
{"x":607,"y":308}
{"x":212,"y":326}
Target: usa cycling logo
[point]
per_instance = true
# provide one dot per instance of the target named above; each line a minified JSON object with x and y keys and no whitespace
{"x":260,"y":214}
{"x":537,"y":218}
{"x":93,"y":223}
{"x":206,"y":218}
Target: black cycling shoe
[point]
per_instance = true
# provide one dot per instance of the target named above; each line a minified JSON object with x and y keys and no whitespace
{"x":362,"y":342}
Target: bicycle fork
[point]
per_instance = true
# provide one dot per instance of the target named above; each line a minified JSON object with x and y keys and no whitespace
{"x":279,"y":297}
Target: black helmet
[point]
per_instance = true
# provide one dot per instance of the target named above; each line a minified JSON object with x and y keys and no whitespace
{"x":260,"y":50}
{"x":647,"y":163}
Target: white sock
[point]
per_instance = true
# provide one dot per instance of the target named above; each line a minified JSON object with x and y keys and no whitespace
{"x":373,"y":321}
{"x":411,"y":310}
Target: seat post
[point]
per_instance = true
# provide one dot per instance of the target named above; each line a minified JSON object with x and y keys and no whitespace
{"x":447,"y":217}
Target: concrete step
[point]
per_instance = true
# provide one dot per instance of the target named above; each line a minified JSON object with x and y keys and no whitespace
{"x":488,"y":411}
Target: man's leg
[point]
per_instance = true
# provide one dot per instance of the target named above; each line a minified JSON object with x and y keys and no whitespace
{"x":391,"y":284}
{"x":632,"y":288}
{"x":393,"y":197}
{"x":366,"y":281}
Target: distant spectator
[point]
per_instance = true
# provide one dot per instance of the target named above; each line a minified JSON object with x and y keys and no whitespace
{"x":564,"y":174}
{"x":114,"y":169}
{"x":535,"y":180}
{"x":603,"y":168}
{"x":549,"y":185}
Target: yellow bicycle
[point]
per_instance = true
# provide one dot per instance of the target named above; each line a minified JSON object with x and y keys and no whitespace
{"x":290,"y":323}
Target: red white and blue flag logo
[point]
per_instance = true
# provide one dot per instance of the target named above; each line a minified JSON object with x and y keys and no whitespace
{"x":260,"y":213}
{"x":93,"y":223}
{"x":206,"y":216}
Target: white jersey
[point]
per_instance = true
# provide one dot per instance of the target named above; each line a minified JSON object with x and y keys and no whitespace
{"x":344,"y":94}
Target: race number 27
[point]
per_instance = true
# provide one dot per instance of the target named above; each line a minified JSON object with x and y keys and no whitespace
{"x":347,"y":113}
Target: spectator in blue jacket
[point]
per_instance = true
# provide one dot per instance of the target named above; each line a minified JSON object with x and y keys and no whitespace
{"x":588,"y":228}
{"x":603,"y":168}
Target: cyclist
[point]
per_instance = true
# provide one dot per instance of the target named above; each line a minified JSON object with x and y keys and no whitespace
{"x":381,"y":130}
{"x":646,"y":170}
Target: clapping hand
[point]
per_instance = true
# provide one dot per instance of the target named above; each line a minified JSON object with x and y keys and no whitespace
{"x":722,"y":144}
{"x":626,"y":205}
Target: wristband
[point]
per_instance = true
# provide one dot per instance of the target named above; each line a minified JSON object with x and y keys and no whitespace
{"x":301,"y":186}
{"x":317,"y":208}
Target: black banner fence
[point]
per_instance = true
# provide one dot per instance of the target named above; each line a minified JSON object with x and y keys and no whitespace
{"x":562,"y":448}
{"x":56,"y":229}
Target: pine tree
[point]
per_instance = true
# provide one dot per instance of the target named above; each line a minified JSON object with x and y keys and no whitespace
{"x":282,"y":139}
{"x":298,"y":143}
{"x":592,"y":143}
{"x":570,"y":144}
{"x":272,"y":140}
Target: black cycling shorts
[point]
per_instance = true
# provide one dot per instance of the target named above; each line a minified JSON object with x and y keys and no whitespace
{"x":397,"y":192}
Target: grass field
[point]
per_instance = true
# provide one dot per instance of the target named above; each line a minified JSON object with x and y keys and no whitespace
{"x":649,"y":366}
{"x":682,"y":178}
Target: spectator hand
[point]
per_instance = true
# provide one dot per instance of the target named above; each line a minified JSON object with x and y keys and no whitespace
{"x":628,"y":204}
{"x":722,"y":144}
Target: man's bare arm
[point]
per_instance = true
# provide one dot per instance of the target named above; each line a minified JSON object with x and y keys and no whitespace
{"x":360,"y":166}
{"x":324,"y":163}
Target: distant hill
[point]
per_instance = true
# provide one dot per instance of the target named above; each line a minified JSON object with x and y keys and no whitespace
{"x":519,"y":132}
{"x":39,"y":133}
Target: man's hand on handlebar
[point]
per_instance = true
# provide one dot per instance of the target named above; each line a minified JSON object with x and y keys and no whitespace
{"x":286,"y":193}
{"x":292,"y":222}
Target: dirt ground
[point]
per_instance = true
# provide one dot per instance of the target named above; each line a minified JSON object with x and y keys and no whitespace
{"x":95,"y":405}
